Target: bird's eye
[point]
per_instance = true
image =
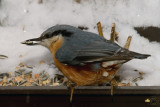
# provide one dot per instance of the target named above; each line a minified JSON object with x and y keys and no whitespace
{"x":46,"y":36}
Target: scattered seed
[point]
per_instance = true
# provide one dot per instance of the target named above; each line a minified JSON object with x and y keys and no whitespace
{"x":18,"y":68}
{"x":141,"y":73}
{"x":20,"y":56}
{"x":55,"y":84}
{"x":36,"y":76}
{"x":58,"y":78}
{"x":21,"y":64}
{"x":41,"y":62}
{"x":31,"y":67}
{"x":136,"y":70}
{"x":5,"y":79}
{"x":137,"y":78}
{"x":128,"y":84}
{"x":22,"y":82}
{"x":136,"y":84}
{"x":122,"y":84}
{"x":4,"y":74}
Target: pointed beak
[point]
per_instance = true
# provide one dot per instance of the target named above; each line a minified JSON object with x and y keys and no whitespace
{"x":3,"y":57}
{"x":34,"y":41}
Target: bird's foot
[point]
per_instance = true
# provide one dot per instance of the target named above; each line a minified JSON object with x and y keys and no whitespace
{"x":68,"y":83}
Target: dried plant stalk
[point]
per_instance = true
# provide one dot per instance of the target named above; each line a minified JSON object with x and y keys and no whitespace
{"x":113,"y":32}
{"x":78,"y":1}
{"x":100,"y":29}
{"x":128,"y":42}
{"x":116,"y":36}
{"x":40,"y":1}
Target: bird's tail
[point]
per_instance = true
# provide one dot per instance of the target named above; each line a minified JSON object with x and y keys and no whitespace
{"x":141,"y":56}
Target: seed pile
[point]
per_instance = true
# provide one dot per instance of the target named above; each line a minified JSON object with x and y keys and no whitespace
{"x":23,"y":77}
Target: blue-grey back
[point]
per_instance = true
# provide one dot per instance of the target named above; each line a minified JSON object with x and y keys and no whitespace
{"x":81,"y":43}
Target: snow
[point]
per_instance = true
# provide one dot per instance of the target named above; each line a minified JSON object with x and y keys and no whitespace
{"x":25,"y":19}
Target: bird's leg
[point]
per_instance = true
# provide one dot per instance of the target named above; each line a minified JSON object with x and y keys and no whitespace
{"x":113,"y":83}
{"x":100,"y":29}
{"x":71,"y":86}
{"x":72,"y":91}
{"x":113,"y":33}
{"x":126,"y":46}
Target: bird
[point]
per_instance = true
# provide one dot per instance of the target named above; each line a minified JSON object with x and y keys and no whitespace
{"x":85,"y":58}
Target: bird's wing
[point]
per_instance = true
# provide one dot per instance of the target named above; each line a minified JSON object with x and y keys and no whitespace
{"x":97,"y":51}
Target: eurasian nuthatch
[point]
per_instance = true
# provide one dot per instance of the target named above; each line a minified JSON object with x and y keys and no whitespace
{"x":85,"y":58}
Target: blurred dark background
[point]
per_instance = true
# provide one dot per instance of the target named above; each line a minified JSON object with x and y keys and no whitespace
{"x":152,"y":33}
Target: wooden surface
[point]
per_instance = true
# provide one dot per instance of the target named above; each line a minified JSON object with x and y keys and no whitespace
{"x":87,"y":90}
{"x":90,"y":96}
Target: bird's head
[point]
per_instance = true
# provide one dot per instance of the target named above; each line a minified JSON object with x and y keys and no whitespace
{"x":50,"y":36}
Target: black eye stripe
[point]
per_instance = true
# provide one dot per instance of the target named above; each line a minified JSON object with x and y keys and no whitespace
{"x":46,"y":35}
{"x":63,"y":32}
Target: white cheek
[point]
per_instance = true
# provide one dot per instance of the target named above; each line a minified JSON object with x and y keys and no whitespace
{"x":45,"y":43}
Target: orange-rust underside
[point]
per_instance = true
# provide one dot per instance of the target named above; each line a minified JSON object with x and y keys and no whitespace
{"x":82,"y":75}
